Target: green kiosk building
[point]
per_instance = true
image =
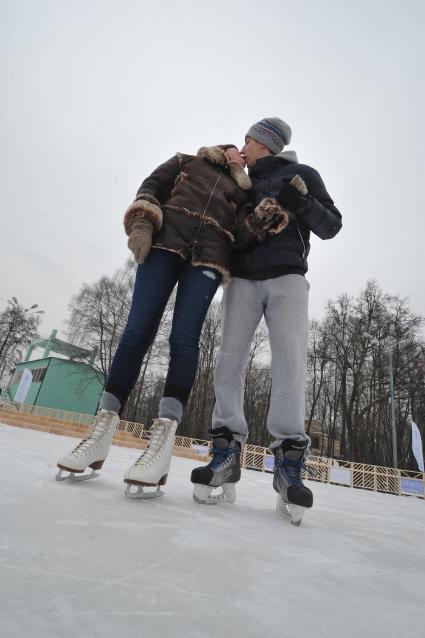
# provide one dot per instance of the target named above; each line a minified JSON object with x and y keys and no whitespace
{"x":60,"y":383}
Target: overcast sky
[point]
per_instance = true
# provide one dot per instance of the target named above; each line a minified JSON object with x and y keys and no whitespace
{"x":95,"y":94}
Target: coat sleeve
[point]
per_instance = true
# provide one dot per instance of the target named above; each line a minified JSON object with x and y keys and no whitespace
{"x":319,"y":214}
{"x":161,"y":181}
{"x":244,"y":237}
{"x":155,"y":191}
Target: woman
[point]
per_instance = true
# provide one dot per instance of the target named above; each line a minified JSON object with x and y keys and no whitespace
{"x":181,"y":230}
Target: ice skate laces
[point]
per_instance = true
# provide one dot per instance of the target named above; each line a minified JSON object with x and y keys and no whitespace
{"x":99,"y":424}
{"x":156,"y":442}
{"x":292,"y":469}
{"x":219,"y":456}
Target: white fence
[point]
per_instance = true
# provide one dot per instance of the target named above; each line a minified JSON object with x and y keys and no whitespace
{"x":326,"y":470}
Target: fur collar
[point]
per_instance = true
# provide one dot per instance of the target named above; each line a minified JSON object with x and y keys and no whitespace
{"x":213,"y":154}
{"x":238,"y":174}
{"x":217,"y":155}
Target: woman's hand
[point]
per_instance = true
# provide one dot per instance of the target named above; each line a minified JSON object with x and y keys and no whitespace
{"x":268,"y":218}
{"x":140,"y":239}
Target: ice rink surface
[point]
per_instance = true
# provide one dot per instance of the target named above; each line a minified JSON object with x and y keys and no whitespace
{"x":83,"y":560}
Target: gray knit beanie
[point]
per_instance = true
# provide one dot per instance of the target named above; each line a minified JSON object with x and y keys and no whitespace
{"x":272,"y":132}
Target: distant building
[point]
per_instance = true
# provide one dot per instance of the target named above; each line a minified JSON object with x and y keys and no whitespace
{"x":59,"y":382}
{"x":319,"y":440}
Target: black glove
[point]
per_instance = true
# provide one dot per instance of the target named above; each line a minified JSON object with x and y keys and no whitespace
{"x":291,"y":194}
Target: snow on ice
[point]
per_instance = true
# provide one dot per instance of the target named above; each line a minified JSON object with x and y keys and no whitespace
{"x":83,"y":560}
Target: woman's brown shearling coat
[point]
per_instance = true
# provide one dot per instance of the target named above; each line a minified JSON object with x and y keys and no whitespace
{"x":195,"y":204}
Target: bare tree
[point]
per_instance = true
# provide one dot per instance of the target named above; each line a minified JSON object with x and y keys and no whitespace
{"x":258,"y":385}
{"x":99,"y":313}
{"x":348,"y":383}
{"x":18,"y":327}
{"x":198,"y":413}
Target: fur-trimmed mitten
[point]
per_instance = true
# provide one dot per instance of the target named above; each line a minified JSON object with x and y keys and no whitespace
{"x":268,"y":218}
{"x":146,"y":206}
{"x":291,"y":195}
{"x":140,"y":240}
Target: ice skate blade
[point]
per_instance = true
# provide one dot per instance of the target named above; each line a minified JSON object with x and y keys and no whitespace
{"x":202,"y":494}
{"x":72,"y":477}
{"x":293,"y":513}
{"x":140,"y":492}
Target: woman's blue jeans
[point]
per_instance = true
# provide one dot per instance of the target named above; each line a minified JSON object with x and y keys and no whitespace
{"x":155,"y":281}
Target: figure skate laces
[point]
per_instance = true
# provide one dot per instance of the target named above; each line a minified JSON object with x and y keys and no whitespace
{"x":151,"y":468}
{"x":92,"y":450}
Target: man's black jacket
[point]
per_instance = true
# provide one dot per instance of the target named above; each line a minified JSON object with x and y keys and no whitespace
{"x":287,"y":252}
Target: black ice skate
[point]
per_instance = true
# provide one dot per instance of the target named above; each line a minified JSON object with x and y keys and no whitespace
{"x":293,"y":496}
{"x":224,"y":470}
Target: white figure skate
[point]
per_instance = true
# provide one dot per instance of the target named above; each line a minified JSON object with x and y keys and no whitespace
{"x":151,"y":468}
{"x":91,"y":451}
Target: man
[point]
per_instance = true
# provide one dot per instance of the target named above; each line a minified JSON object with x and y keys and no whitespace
{"x":269,"y":281}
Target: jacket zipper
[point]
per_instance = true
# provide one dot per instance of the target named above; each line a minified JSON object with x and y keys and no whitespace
{"x":302,"y":241}
{"x":266,"y":241}
{"x":194,"y":244}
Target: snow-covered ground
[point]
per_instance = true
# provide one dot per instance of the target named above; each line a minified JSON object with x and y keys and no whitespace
{"x":83,"y":560}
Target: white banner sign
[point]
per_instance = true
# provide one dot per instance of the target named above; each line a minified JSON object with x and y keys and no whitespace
{"x":269,"y":463}
{"x":202,"y":450}
{"x":341,"y":475}
{"x":417,"y":446}
{"x":24,"y":386}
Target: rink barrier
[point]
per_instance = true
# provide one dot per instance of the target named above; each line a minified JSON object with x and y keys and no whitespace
{"x":135,"y":435}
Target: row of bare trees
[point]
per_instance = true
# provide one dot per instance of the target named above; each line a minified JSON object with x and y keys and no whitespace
{"x":349,"y":376}
{"x":348,"y":369}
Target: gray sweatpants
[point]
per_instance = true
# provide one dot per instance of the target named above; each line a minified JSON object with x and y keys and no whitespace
{"x":284,"y":303}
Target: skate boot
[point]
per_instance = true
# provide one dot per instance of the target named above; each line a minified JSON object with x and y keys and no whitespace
{"x":293,"y":496}
{"x":151,"y":468}
{"x":224,"y":470}
{"x":91,"y":451}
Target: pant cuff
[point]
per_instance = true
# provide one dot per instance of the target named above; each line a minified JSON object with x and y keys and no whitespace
{"x":110,"y":402}
{"x":170,"y":408}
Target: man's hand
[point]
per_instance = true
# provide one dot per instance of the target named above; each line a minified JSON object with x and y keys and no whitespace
{"x":291,"y":195}
{"x":140,"y":240}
